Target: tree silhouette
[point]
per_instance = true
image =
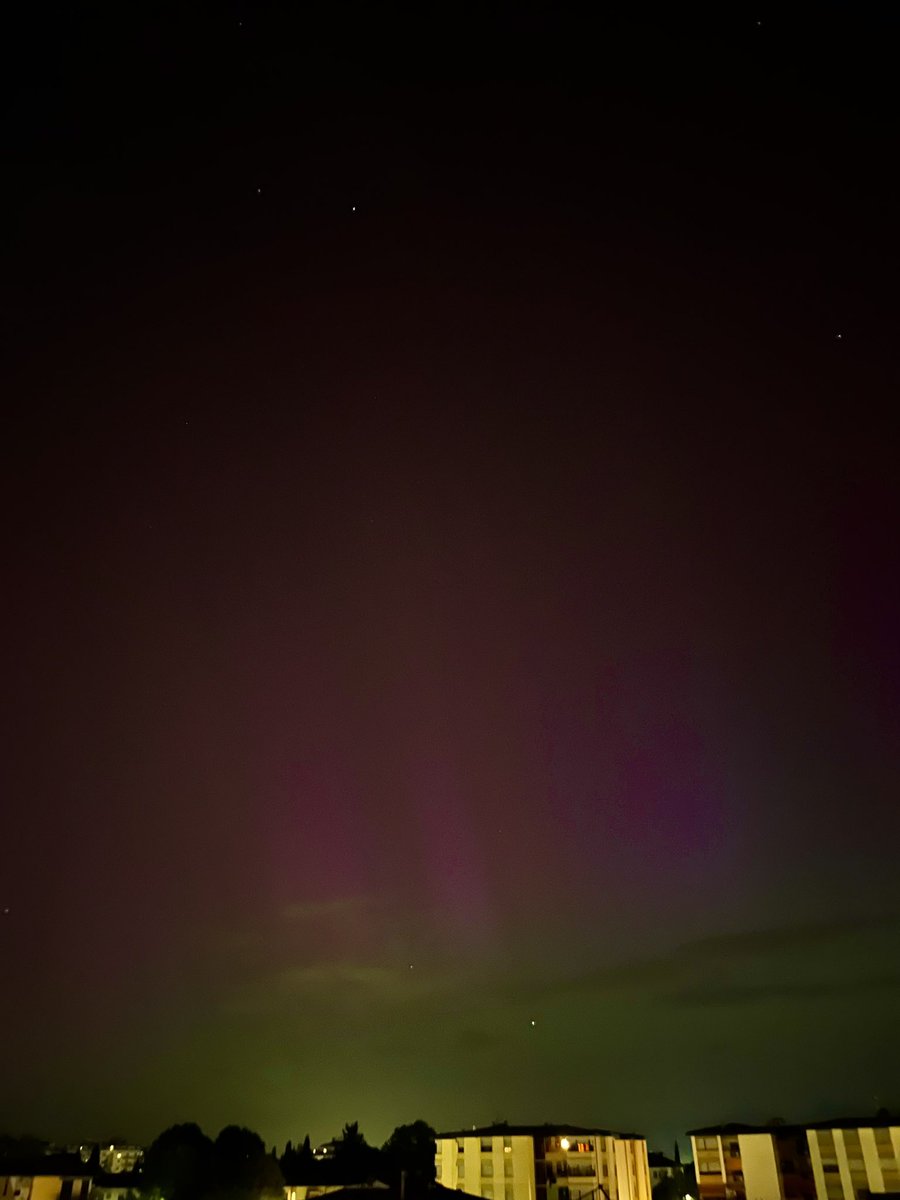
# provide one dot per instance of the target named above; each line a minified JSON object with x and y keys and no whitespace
{"x":184,"y":1164}
{"x":355,"y":1161}
{"x":298,"y":1165}
{"x":668,"y":1188}
{"x":242,"y":1166}
{"x":179,"y":1164}
{"x":408,"y":1156}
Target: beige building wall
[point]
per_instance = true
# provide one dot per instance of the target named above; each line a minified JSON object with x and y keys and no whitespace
{"x":498,"y":1167}
{"x":632,"y":1174}
{"x":762,"y":1178}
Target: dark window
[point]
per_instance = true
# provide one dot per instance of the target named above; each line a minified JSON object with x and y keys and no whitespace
{"x":734,"y":1148}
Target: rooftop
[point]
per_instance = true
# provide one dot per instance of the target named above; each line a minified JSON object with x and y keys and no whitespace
{"x":546,"y":1130}
{"x":656,"y":1159}
{"x":881,"y":1120}
{"x":69,"y":1166}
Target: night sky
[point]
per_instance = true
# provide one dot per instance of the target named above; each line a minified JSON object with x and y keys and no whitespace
{"x":451,"y":658}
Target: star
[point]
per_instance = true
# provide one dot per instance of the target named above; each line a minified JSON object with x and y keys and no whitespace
{"x":532,"y":1024}
{"x":839,"y":336}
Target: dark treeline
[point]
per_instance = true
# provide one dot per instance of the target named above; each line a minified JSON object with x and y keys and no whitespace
{"x":184,"y":1164}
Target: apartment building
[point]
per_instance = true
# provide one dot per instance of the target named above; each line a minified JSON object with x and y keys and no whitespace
{"x":841,"y":1159}
{"x":543,"y":1162}
{"x":752,"y":1162}
{"x":116,"y":1158}
{"x":852,"y":1158}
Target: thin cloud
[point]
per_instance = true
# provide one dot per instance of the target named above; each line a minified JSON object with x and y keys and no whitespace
{"x":794,"y":962}
{"x":789,"y":937}
{"x":713,"y":995}
{"x":341,"y":985}
{"x":317,"y":910}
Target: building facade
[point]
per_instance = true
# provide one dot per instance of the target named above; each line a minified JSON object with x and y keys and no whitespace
{"x":852,"y":1159}
{"x":546,"y":1162}
{"x":116,"y":1158}
{"x":829,"y":1160}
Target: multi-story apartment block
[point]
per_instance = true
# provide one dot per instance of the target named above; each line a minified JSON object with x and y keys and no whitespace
{"x":118,"y":1157}
{"x":852,"y":1158}
{"x":830,"y":1160}
{"x":543,"y":1162}
{"x":752,"y":1162}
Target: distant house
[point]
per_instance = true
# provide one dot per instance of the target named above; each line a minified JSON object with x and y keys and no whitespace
{"x":661,"y":1167}
{"x":45,"y":1177}
{"x":119,"y":1157}
{"x":116,"y":1185}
